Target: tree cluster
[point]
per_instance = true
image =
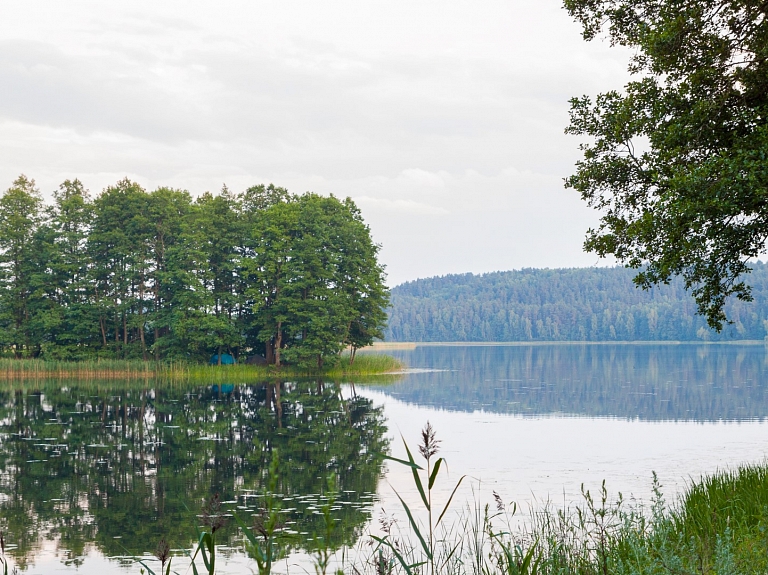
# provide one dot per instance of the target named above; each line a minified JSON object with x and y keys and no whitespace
{"x":590,"y":304}
{"x":137,"y":274}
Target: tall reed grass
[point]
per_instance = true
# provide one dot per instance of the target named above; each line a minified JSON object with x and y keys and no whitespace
{"x":108,"y":369}
{"x":717,"y":526}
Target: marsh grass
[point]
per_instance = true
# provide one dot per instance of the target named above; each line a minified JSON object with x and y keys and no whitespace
{"x":718,"y":526}
{"x":727,"y":509}
{"x":365,"y":365}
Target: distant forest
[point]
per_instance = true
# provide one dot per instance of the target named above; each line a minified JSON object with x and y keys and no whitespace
{"x":586,"y":304}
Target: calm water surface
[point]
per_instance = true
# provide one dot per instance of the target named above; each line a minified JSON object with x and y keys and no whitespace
{"x":91,"y":475}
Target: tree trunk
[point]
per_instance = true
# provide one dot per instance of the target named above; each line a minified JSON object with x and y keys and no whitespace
{"x":278,"y":342}
{"x":141,"y":320}
{"x":143,"y":343}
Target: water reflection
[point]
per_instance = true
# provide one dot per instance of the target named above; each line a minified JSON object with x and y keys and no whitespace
{"x":91,"y":467}
{"x":649,"y":382}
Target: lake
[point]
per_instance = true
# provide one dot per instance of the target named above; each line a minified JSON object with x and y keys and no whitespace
{"x":92,"y":475}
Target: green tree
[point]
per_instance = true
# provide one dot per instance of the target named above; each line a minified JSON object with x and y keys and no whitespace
{"x":20,"y":217}
{"x":316,"y":284}
{"x":67,"y":317}
{"x":363,"y":280}
{"x":678,"y":160}
{"x":219,"y":229}
{"x":171,"y":254}
{"x":120,"y":246}
{"x":133,"y":274}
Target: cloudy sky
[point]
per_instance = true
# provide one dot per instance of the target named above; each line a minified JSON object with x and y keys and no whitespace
{"x":442,"y":119}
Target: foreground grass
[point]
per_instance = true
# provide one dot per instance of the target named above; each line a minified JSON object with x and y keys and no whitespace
{"x":719,"y":525}
{"x":37,"y":369}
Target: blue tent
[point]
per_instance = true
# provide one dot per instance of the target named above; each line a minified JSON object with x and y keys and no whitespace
{"x":226,"y":359}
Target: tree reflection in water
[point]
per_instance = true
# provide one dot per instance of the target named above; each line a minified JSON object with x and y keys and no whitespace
{"x":115,"y":469}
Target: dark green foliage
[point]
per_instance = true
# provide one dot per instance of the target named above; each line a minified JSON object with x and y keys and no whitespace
{"x":677,"y":162}
{"x":591,"y":304}
{"x":315,"y":281}
{"x":138,"y":275}
{"x":732,"y":503}
{"x":20,"y":218}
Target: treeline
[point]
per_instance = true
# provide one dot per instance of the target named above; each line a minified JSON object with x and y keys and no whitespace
{"x":160,"y":275}
{"x":591,"y":304}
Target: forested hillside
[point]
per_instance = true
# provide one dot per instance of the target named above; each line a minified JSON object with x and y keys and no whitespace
{"x":590,"y":304}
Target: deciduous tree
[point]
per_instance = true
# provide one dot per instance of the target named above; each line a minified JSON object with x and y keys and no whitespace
{"x":677,"y":161}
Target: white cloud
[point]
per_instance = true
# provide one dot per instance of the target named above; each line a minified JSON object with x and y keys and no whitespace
{"x":406,"y":206}
{"x":443,"y":119}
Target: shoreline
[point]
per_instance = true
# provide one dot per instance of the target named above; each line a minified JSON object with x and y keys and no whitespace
{"x":369,"y":365}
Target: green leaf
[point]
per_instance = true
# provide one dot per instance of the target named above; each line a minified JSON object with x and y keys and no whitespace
{"x":414,"y":526}
{"x":450,"y":499}
{"x":434,"y":473}
{"x":246,"y":531}
{"x":206,"y":541}
{"x":141,"y":562}
{"x":401,"y":461}
{"x":416,"y":477}
{"x":408,"y":568}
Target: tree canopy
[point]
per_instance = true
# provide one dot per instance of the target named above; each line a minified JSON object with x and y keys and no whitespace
{"x":677,"y":161}
{"x":137,"y":274}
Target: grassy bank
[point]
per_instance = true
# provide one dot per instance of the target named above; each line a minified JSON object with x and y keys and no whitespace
{"x":718,"y":526}
{"x":36,"y":369}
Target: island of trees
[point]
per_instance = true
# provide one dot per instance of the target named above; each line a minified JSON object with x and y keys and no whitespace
{"x":132,"y":274}
{"x":588,"y":304}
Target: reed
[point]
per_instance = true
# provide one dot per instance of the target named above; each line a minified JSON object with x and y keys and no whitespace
{"x":109,"y":369}
{"x":718,"y":526}
{"x":732,"y":504}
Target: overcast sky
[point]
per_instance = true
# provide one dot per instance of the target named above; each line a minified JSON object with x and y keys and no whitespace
{"x":442,"y":119}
